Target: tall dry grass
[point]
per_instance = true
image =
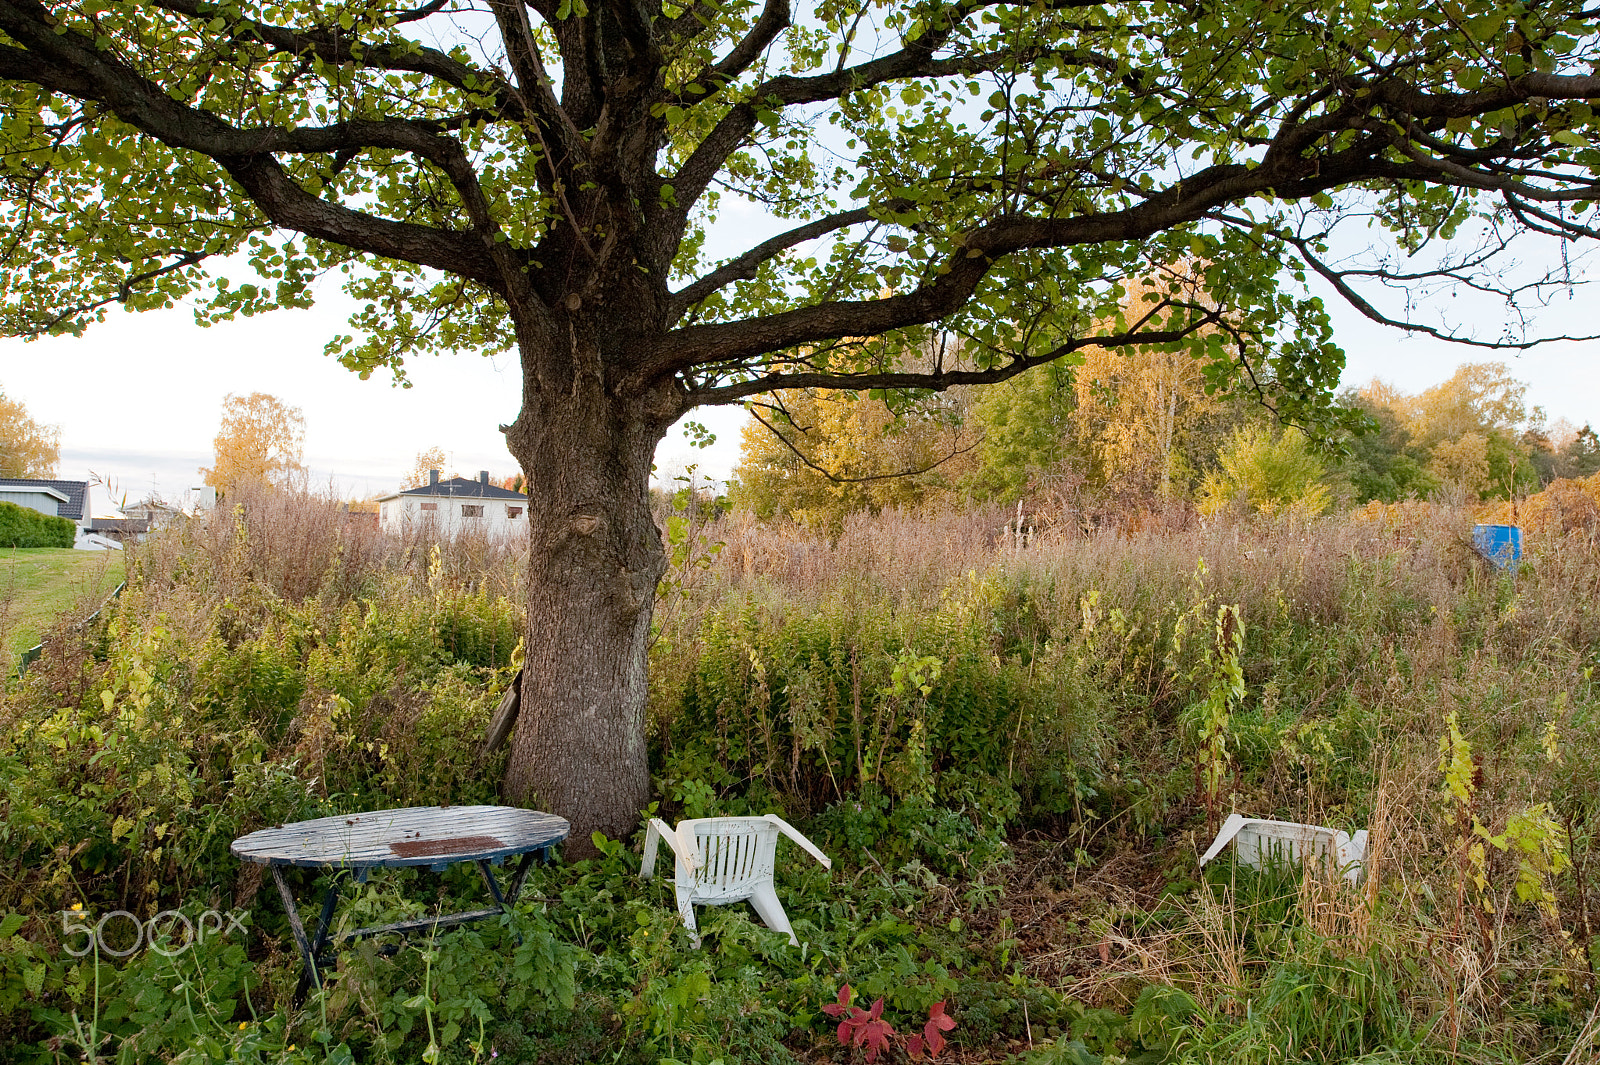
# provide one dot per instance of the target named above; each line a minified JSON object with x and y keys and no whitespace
{"x":298,"y":544}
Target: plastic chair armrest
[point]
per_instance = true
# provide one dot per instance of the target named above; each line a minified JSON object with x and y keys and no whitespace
{"x":657,"y":832}
{"x":795,"y":834}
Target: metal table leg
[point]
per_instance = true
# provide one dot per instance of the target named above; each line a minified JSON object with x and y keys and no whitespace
{"x":523,"y":868}
{"x":506,"y":900}
{"x":310,"y":949}
{"x":491,"y":883}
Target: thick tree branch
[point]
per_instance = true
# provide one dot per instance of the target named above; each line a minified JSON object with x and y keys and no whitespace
{"x":1290,"y":168}
{"x":627,"y":129}
{"x":340,"y":48}
{"x":1405,"y":98}
{"x":1549,"y":224}
{"x":68,"y":62}
{"x":18,"y":64}
{"x":1466,"y":177}
{"x":697,"y":18}
{"x":532,"y":101}
{"x":417,"y":14}
{"x":961,"y":273}
{"x":732,"y":129}
{"x":916,"y":60}
{"x":775,"y":18}
{"x":534,"y":91}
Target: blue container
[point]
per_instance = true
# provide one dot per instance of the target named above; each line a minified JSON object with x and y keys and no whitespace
{"x":1500,"y":544}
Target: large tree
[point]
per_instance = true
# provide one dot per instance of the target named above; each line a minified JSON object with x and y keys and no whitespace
{"x":542,"y":175}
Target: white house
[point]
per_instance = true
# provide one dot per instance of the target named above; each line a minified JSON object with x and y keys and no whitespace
{"x":454,"y":505}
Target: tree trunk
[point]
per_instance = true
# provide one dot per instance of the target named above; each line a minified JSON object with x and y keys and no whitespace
{"x":595,"y":557}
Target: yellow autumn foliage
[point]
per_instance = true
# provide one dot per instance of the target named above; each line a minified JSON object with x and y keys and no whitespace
{"x":260,"y":441}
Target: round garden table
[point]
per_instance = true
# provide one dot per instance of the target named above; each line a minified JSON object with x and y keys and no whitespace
{"x":436,"y":836}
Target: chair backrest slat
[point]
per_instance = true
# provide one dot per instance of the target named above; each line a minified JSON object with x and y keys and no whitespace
{"x":711,"y":847}
{"x":734,"y":856}
{"x":747,"y":858}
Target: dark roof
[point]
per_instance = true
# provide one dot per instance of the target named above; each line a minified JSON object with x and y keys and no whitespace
{"x":126,"y":526}
{"x":463,"y":486}
{"x":75,"y":491}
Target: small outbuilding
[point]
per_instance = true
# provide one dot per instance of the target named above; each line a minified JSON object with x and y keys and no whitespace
{"x":121,"y":530}
{"x":156,"y":513}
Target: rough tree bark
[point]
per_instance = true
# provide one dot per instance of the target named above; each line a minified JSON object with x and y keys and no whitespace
{"x":586,"y":444}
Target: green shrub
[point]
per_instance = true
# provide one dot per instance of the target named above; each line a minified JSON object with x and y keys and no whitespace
{"x":25,"y":527}
{"x":826,"y":706}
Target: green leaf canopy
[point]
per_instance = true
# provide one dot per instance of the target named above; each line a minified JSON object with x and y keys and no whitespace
{"x":992,"y":169}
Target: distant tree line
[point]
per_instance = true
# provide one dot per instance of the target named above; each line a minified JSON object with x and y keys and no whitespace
{"x":1143,"y":427}
{"x":1471,"y":436}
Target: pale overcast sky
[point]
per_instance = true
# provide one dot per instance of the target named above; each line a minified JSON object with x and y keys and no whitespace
{"x":138,"y":398}
{"x":1563,"y":378}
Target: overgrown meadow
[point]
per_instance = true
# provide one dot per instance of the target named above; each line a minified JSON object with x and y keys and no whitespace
{"x":1014,"y":748}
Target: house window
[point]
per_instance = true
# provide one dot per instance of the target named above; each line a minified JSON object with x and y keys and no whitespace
{"x":472,"y":510}
{"x":513,"y":512}
{"x":430,"y":506}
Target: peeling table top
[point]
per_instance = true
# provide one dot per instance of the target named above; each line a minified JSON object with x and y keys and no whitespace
{"x":417,"y":835}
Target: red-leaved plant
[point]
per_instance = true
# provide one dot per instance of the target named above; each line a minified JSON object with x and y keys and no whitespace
{"x":867,"y":1029}
{"x":932,"y":1036}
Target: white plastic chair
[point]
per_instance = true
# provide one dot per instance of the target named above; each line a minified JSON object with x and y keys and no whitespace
{"x":1258,"y":841}
{"x":726,"y":859}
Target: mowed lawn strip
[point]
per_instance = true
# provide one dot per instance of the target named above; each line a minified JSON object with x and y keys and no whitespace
{"x":38,"y":584}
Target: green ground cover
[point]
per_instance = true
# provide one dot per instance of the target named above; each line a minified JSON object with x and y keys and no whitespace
{"x":39,"y":585}
{"x":1013,"y":756}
